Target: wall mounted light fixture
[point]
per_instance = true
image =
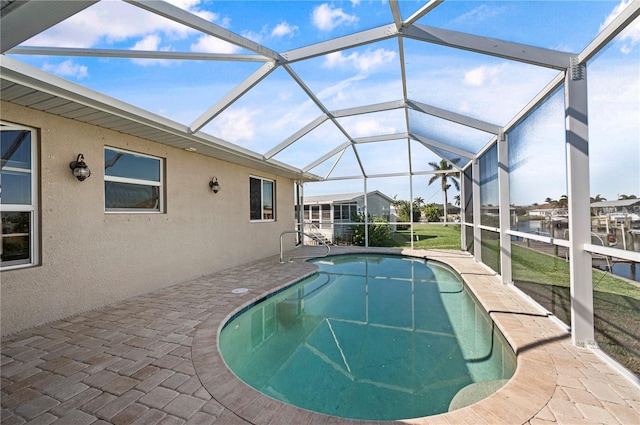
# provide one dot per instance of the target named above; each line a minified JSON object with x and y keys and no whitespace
{"x":79,"y":169}
{"x":214,"y":185}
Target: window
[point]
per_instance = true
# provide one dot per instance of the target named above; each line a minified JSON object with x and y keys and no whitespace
{"x":132,"y":182}
{"x":261,"y":197}
{"x":18,"y":197}
{"x":345,"y":211}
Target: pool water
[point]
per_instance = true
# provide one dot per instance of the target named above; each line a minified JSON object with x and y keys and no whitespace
{"x":370,"y":337}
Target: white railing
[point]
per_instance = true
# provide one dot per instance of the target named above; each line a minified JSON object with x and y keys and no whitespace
{"x":315,"y":238}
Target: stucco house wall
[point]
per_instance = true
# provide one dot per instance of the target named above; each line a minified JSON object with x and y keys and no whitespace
{"x":90,"y":258}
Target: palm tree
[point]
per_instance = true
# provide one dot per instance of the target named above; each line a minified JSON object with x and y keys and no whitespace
{"x":563,"y":202}
{"x":623,"y":197}
{"x":598,"y":198}
{"x":445,"y":178}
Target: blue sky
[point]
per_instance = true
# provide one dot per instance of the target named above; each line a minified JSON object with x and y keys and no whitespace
{"x":483,"y":87}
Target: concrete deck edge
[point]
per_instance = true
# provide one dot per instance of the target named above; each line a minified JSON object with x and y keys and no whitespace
{"x":525,"y":328}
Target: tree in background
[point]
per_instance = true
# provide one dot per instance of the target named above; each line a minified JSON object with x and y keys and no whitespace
{"x":432,"y":212}
{"x":403,"y":211}
{"x":447,"y":177}
{"x":623,"y":197}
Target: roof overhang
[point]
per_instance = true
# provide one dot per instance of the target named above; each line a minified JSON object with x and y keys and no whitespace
{"x":36,"y":89}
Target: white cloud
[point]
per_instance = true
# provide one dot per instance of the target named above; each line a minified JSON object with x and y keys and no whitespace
{"x":151,"y":43}
{"x":482,"y":75}
{"x":209,"y":44}
{"x":110,"y":22}
{"x":362,"y":62}
{"x":67,"y":69}
{"x":326,"y":18}
{"x":481,"y":13}
{"x":368,"y":127}
{"x":235,"y":125}
{"x":630,"y":37}
{"x":284,"y":29}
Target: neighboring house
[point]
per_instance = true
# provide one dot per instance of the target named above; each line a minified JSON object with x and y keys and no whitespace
{"x":331,"y":215}
{"x":548,"y":213}
{"x":622,"y":211}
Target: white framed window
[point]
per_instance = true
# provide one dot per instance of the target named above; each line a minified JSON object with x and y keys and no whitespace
{"x":19,"y":196}
{"x":261,"y":199}
{"x":133,"y":182}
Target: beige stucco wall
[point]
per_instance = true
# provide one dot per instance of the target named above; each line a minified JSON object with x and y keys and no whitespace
{"x":90,"y":258}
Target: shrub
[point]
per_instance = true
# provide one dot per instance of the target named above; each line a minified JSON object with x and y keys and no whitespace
{"x":379,"y":234}
{"x":432,"y":212}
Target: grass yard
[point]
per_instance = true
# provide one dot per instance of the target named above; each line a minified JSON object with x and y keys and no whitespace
{"x":545,"y":278}
{"x":616,"y":302}
{"x":428,"y":236}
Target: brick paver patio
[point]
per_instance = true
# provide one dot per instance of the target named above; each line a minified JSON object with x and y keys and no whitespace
{"x":153,"y":359}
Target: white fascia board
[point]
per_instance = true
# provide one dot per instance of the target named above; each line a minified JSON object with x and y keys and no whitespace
{"x":504,"y":49}
{"x":22,"y":20}
{"x":395,"y":11}
{"x":288,"y":167}
{"x":20,"y":73}
{"x":624,"y":19}
{"x":381,"y":138}
{"x":136,"y":54}
{"x":326,"y":156}
{"x":183,"y":17}
{"x":232,"y":96}
{"x":439,"y":145}
{"x":296,"y":136}
{"x":23,"y":74}
{"x":366,"y":109}
{"x":341,"y":43}
{"x":454,"y":117}
{"x":422,"y":11}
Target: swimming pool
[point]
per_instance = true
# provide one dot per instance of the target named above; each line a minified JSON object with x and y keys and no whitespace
{"x":370,"y":337}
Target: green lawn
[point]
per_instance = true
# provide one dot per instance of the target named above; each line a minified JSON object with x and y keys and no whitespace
{"x":428,"y":236}
{"x":616,"y":302}
{"x":545,"y":278}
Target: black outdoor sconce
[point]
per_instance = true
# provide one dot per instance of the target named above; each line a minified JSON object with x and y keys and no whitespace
{"x":79,"y":169}
{"x":214,"y":185}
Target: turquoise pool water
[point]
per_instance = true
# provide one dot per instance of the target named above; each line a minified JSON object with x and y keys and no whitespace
{"x":370,"y":337}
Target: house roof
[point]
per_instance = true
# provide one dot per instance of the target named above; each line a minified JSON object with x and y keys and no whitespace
{"x":342,"y":197}
{"x":618,"y":203}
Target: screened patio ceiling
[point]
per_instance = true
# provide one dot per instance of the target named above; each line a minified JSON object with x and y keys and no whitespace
{"x":379,"y":93}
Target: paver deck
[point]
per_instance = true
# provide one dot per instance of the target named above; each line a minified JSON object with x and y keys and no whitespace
{"x":153,"y":359}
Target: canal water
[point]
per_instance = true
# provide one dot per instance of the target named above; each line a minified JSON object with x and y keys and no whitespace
{"x":622,"y":268}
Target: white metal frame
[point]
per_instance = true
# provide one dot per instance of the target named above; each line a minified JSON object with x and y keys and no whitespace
{"x":571,"y":72}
